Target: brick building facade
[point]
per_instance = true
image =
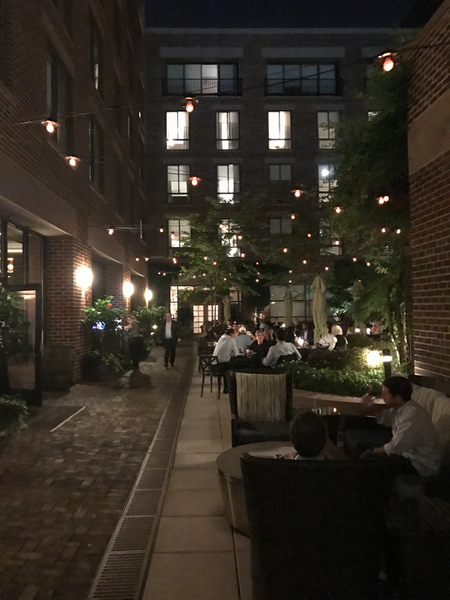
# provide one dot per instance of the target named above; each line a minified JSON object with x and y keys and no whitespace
{"x":77,"y":64}
{"x":253,"y":86}
{"x":429,"y":166}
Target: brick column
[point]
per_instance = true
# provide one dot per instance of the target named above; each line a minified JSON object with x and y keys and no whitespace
{"x":115,"y":276}
{"x":65,"y":341}
{"x":140,"y":285}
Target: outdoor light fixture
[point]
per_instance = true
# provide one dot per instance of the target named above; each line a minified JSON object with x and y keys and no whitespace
{"x":73,"y":161}
{"x":292,"y":216}
{"x":338,"y":209}
{"x":387,"y":360}
{"x":387,"y":61}
{"x":148,"y":295}
{"x":110,"y":231}
{"x":383,"y":230}
{"x":373,"y":358}
{"x":83,"y":277}
{"x":128,"y":289}
{"x":161,"y":230}
{"x":383,"y":199}
{"x":194,"y":180}
{"x":297,"y":193}
{"x":189,"y":104}
{"x":50,"y":126}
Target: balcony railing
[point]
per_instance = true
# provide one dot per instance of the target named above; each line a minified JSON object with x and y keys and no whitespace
{"x":303,"y":87}
{"x":202,"y":87}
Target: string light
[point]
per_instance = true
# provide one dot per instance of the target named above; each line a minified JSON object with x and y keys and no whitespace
{"x":146,"y":259}
{"x":257,"y":280}
{"x":214,"y":263}
{"x":73,"y":161}
{"x":368,"y":264}
{"x":174,"y":260}
{"x":309,"y":235}
{"x":161,"y":230}
{"x":221,"y":225}
{"x":297,"y":193}
{"x":110,"y":231}
{"x":327,"y":268}
{"x":290,"y":280}
{"x":137,"y":259}
{"x":194,"y":180}
{"x":338,"y":209}
{"x":50,"y":126}
{"x":292,"y":216}
{"x":239,"y":237}
{"x":383,"y":199}
{"x":387,"y":61}
{"x":290,"y":270}
{"x":257,"y":263}
{"x":398,"y":231}
{"x":354,"y":259}
{"x":189,"y":104}
{"x":383,"y":230}
{"x":305,"y":262}
{"x":205,"y":258}
{"x":242,"y":254}
{"x":336,"y":242}
{"x":285,"y":250}
{"x":164,"y":274}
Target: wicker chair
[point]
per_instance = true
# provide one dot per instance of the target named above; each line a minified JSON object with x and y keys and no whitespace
{"x":261,"y":405}
{"x":316,"y":527}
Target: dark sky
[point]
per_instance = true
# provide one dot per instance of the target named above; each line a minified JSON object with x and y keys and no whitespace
{"x":284,"y":13}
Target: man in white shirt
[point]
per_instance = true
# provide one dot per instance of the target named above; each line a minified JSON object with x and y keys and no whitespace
{"x":281,"y":348}
{"x":225,"y":349}
{"x":413,"y":434}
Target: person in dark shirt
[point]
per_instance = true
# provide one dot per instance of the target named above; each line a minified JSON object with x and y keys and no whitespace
{"x":342,"y":342}
{"x":260,"y":346}
{"x":210,"y":336}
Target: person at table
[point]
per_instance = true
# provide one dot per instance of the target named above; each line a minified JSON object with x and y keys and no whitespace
{"x":243,"y":340}
{"x":260,"y":346}
{"x":414,"y":444}
{"x":290,"y":334}
{"x":342,"y":342}
{"x":225,"y":350}
{"x":305,"y":333}
{"x":281,"y":348}
{"x":209,"y":336}
{"x":309,"y":436}
{"x":269,"y":336}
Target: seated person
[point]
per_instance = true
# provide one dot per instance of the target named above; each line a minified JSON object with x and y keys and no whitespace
{"x":309,"y":436}
{"x":243,"y":340}
{"x":260,"y":346}
{"x":341,"y":342}
{"x":281,"y":348}
{"x":328,"y":341}
{"x":225,"y":349}
{"x":290,"y":334}
{"x":210,"y":336}
{"x":414,"y":442}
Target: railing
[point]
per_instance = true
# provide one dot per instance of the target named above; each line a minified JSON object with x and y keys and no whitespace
{"x":202,"y":87}
{"x":304,"y":87}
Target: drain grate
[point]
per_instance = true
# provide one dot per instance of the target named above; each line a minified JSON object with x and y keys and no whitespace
{"x":133,"y":535}
{"x":144,"y":502}
{"x":152,"y":479}
{"x":118,"y":578}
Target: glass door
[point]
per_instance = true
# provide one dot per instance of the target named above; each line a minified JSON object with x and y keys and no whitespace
{"x":24,"y":357}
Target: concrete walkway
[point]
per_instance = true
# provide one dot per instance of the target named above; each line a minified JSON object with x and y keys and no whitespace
{"x":197,"y":556}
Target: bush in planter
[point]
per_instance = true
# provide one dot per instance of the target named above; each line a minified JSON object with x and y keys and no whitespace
{"x":350,"y":358}
{"x":104,"y":323}
{"x":334,"y":381}
{"x":149,"y":320}
{"x":13,"y":413}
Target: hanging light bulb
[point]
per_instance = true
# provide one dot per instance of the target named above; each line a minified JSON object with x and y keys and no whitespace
{"x":290,"y":270}
{"x":256,"y":280}
{"x":50,"y":126}
{"x":189,"y":104}
{"x":73,"y":161}
{"x":338,"y":209}
{"x":174,"y":260}
{"x":336,"y":242}
{"x":214,"y":263}
{"x":297,"y":193}
{"x":205,"y":258}
{"x":137,"y":259}
{"x":161,"y":230}
{"x":285,"y":250}
{"x":292,"y":216}
{"x":221,"y":225}
{"x":354,"y":259}
{"x":387,"y":61}
{"x":111,"y":231}
{"x":242,"y":254}
{"x":383,"y":230}
{"x":146,"y":259}
{"x":309,"y":235}
{"x":368,"y":264}
{"x":194,"y":180}
{"x":305,"y":262}
{"x":398,"y":231}
{"x":290,"y":280}
{"x":239,"y":237}
{"x":327,"y":268}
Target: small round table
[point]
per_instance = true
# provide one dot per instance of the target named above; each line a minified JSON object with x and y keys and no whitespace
{"x":231,"y":483}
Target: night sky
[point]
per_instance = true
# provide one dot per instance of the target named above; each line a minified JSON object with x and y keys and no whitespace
{"x":288,"y":13}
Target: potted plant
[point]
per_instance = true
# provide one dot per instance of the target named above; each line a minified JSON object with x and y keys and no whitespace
{"x":13,"y":415}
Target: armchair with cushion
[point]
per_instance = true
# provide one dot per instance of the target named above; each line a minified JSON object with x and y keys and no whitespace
{"x":316,"y":527}
{"x":261,"y":405}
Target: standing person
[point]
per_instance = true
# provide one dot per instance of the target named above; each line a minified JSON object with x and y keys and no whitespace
{"x":168,"y":334}
{"x":134,"y":340}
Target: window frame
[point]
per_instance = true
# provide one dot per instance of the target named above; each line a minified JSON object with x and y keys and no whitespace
{"x":277,"y":142}
{"x":178,"y":227}
{"x":233,"y":138}
{"x":203,"y":84}
{"x":231,"y":242}
{"x":326,"y":128}
{"x":325,"y":190}
{"x":181,"y":142}
{"x":182,"y":173}
{"x":280,"y":230}
{"x":231,"y":196}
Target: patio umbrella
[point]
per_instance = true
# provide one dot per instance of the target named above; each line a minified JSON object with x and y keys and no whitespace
{"x":288,"y":306}
{"x":226,"y":308}
{"x":319,"y":306}
{"x":356,"y":292}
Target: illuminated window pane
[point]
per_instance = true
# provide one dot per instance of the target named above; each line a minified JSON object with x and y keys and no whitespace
{"x":326,"y":124}
{"x":279,"y":130}
{"x":228,"y":183}
{"x":227,"y":130}
{"x":177,"y":130}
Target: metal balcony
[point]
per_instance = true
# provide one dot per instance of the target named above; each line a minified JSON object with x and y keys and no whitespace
{"x":202,"y":87}
{"x":304,"y":87}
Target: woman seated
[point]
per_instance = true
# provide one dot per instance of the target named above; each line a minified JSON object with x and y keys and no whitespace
{"x":341,"y":342}
{"x":210,"y":336}
{"x":260,"y":346}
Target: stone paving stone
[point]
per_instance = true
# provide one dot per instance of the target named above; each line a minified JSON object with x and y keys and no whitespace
{"x":62,"y":493}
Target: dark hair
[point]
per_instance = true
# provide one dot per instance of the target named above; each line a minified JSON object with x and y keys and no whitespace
{"x":229,"y":331}
{"x":308,"y":433}
{"x":281,"y":335}
{"x":399,"y":386}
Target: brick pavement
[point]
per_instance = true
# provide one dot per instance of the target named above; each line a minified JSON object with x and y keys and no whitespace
{"x":62,"y":493}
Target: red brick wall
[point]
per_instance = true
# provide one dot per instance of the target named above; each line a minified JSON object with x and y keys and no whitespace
{"x":116,"y":276}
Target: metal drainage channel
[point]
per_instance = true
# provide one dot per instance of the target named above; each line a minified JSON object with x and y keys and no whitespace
{"x":122,"y":571}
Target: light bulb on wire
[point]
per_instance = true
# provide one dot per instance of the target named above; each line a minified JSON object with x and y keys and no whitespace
{"x":50,"y":126}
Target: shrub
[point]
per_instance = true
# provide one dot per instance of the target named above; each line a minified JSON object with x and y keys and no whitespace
{"x":104,"y":322}
{"x":13,"y":413}
{"x":350,"y":358}
{"x":115,"y":361}
{"x":334,"y":381}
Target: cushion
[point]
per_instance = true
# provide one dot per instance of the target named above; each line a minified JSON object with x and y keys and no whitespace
{"x":249,"y":433}
{"x":425,"y":397}
{"x":441,"y":420}
{"x":260,"y":397}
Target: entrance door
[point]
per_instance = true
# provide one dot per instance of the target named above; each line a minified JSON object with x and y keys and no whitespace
{"x":24,"y":367}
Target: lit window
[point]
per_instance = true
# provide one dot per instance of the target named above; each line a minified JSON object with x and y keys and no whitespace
{"x":177,"y":130}
{"x":95,"y":54}
{"x":178,"y":184}
{"x":326,"y":124}
{"x":227,"y":130}
{"x":228,"y":183}
{"x":327,"y":181}
{"x":280,"y":130}
{"x":282,"y":226}
{"x":229,"y":237}
{"x":179,"y":232}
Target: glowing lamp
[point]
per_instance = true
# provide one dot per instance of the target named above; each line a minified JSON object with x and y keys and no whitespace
{"x":398,"y":231}
{"x":292,"y":216}
{"x":128,"y":289}
{"x":257,"y":280}
{"x":354,"y":259}
{"x":309,"y":235}
{"x":194,"y":180}
{"x":174,"y":260}
{"x":368,"y":264}
{"x":297,"y":193}
{"x":327,"y":268}
{"x":73,"y":161}
{"x":305,"y":262}
{"x":148,"y":295}
{"x":383,"y":230}
{"x":146,"y":259}
{"x":189,"y":104}
{"x":242,"y":254}
{"x":137,"y":259}
{"x":161,"y":230}
{"x":285,"y":250}
{"x":111,"y":231}
{"x":50,"y":126}
{"x":338,"y":209}
{"x":387,"y":61}
{"x":373,"y":359}
{"x":290,"y":270}
{"x":83,"y":277}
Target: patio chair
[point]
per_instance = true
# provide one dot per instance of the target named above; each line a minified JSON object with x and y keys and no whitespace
{"x":316,"y":527}
{"x":209,"y":367}
{"x":204,"y":349}
{"x":261,"y":405}
{"x":287,"y":358}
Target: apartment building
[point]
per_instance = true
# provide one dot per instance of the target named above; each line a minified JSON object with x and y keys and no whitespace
{"x":266,"y":103}
{"x":71,"y":162}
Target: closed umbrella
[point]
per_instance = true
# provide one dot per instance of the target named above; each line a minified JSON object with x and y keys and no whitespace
{"x":356,"y":292}
{"x":319,"y":308}
{"x":226,"y":308}
{"x":288,"y":306}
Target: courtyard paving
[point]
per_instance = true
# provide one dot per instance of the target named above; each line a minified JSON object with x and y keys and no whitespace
{"x":63,"y":488}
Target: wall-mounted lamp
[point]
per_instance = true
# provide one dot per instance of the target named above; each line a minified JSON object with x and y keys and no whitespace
{"x":83,"y":277}
{"x":128,"y":289}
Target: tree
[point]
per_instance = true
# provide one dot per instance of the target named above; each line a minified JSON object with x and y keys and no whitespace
{"x":215,"y":257}
{"x":372,"y":200}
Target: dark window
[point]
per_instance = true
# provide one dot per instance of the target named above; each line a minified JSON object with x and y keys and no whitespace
{"x":96,"y":158}
{"x":95,"y":55}
{"x":198,"y":79}
{"x":64,"y":7}
{"x":117,"y":27}
{"x":59,"y":96}
{"x":302,"y":80}
{"x":118,"y":192}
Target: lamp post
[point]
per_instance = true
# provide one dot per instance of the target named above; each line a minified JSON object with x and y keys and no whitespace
{"x":387,"y":360}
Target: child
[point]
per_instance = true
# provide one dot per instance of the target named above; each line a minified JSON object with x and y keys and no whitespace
{"x":309,"y":436}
